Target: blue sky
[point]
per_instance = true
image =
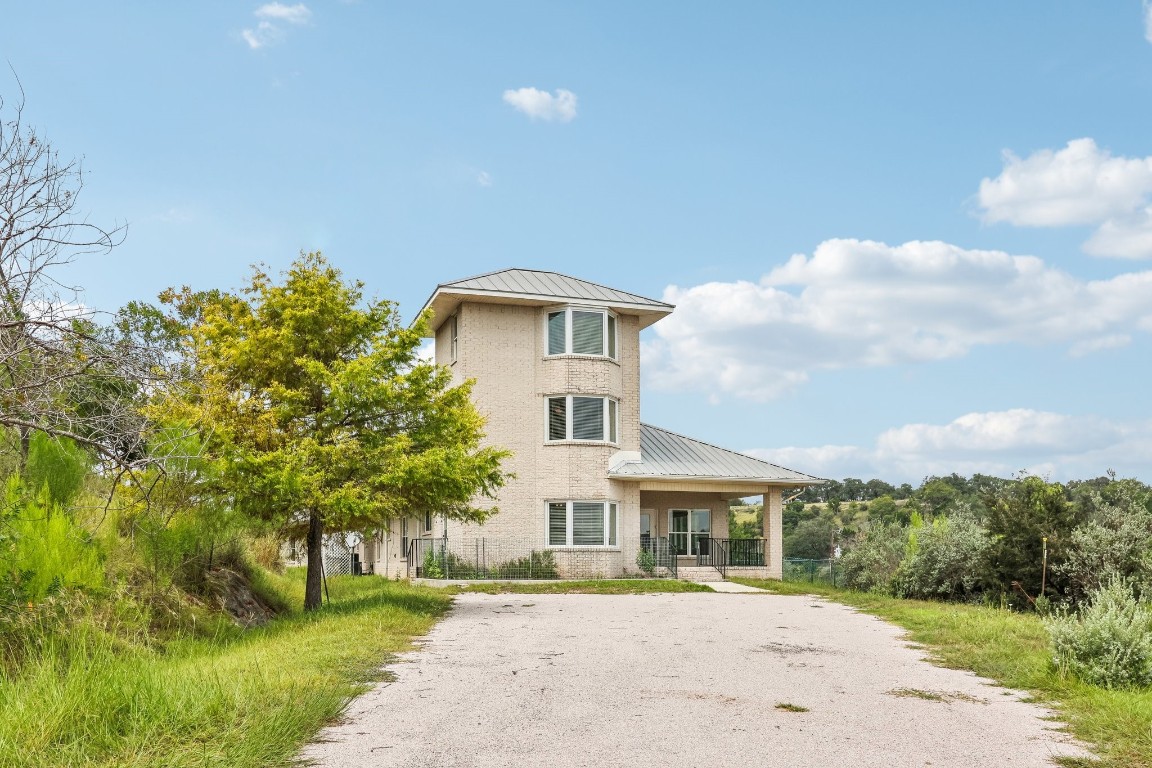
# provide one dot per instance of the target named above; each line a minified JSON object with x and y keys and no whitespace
{"x":904,"y":238}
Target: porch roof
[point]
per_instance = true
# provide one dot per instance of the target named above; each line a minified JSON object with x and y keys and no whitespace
{"x":668,"y":456}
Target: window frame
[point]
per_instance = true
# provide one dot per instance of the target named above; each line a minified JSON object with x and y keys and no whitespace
{"x":609,"y":332}
{"x":611,"y":420}
{"x":610,"y":523}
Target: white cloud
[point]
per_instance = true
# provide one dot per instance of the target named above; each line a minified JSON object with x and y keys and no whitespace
{"x":272,"y":15}
{"x":541,"y":105}
{"x":998,"y":443}
{"x":1148,"y":20}
{"x":859,"y":304}
{"x":1078,"y":185}
{"x":484,"y":179}
{"x":292,"y":14}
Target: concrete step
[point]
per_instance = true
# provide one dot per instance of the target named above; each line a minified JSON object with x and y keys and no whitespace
{"x":698,"y":573}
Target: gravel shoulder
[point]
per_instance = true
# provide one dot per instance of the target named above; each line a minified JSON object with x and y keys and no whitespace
{"x":686,"y":679}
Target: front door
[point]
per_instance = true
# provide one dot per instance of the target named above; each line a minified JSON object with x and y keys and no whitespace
{"x":689,"y":530}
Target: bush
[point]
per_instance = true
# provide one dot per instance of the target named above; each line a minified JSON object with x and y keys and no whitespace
{"x":871,"y":564}
{"x":1109,"y":642}
{"x":947,"y":559}
{"x":646,"y":561}
{"x":538,"y":565}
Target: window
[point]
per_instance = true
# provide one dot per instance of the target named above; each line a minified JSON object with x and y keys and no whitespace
{"x":576,"y":417}
{"x":427,"y":522}
{"x":574,"y":331}
{"x":404,"y":537}
{"x":454,"y":334}
{"x":582,"y":523}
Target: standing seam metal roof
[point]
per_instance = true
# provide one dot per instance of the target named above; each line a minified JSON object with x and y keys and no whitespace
{"x":667,"y":454}
{"x":550,"y":284}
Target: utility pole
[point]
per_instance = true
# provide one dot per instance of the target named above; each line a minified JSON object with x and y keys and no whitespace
{"x":1044,"y":569}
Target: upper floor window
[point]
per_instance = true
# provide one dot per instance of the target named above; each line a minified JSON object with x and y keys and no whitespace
{"x":573,"y":331}
{"x":575,"y":417}
{"x":454,"y":335}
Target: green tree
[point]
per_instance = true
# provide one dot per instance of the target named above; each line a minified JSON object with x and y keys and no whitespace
{"x":1019,"y":519}
{"x":812,"y":539}
{"x":321,"y":413}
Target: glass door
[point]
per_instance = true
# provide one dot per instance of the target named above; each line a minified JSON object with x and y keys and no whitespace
{"x":678,"y":530}
{"x":701,"y":531}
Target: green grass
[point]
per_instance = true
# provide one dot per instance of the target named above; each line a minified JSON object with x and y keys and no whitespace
{"x":788,"y":707}
{"x":1012,"y":649}
{"x":239,"y":700}
{"x":594,"y":587}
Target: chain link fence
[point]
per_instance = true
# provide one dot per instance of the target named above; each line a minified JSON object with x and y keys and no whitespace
{"x":827,"y":571}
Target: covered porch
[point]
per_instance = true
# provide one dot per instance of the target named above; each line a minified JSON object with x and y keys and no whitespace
{"x":684,"y":488}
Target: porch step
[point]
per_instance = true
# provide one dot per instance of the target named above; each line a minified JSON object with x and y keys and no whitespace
{"x":698,"y":573}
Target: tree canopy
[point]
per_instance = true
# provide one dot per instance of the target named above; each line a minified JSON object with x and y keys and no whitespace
{"x":322,"y":413}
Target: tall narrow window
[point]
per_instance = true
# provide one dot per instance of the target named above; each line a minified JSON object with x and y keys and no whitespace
{"x":612,"y":406}
{"x":612,"y":336}
{"x":557,"y":524}
{"x":557,"y":333}
{"x":454,"y":330}
{"x":558,"y":418}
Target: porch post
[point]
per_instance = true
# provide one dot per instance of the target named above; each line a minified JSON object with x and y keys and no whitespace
{"x":774,"y":532}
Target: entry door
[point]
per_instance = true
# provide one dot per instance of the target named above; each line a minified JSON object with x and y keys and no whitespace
{"x":645,"y":527}
{"x":689,"y":530}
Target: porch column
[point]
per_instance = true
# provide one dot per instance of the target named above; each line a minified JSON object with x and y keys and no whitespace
{"x":774,"y":532}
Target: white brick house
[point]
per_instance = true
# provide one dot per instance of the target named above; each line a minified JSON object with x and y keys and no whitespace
{"x":556,"y":364}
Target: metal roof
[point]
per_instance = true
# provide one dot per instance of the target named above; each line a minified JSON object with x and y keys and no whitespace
{"x":667,"y":455}
{"x":539,"y":288}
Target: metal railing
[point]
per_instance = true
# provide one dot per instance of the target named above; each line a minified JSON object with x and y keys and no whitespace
{"x":723,"y":554}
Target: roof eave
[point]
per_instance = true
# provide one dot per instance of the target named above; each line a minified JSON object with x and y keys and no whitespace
{"x":715,"y":479}
{"x":445,"y":299}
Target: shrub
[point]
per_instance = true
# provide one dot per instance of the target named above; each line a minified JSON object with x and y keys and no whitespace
{"x":1109,"y":642}
{"x":948,"y":560}
{"x":538,"y":565}
{"x":871,"y":564}
{"x":646,"y":561}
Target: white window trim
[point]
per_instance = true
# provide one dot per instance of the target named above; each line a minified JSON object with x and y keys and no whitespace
{"x":609,"y":427}
{"x":567,"y":310}
{"x":568,"y":524}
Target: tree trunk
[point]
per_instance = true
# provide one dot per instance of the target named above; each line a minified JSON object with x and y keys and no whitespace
{"x":313,"y":582}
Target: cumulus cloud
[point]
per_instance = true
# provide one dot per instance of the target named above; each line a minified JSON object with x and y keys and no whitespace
{"x":541,"y":105}
{"x":858,"y":304}
{"x":1001,"y":443}
{"x":1078,"y":185}
{"x":272,"y":18}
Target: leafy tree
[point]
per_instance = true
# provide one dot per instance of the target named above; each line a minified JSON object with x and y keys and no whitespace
{"x":1019,"y":519}
{"x":794,"y":511}
{"x":937,"y":495}
{"x":321,"y":413}
{"x":885,"y":510}
{"x":813,"y":539}
{"x":1115,"y":542}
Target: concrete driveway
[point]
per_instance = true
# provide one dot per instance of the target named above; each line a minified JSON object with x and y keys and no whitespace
{"x":688,"y":679}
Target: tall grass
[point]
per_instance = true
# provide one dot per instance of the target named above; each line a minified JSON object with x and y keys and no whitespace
{"x":237,"y":699}
{"x":1012,"y":648}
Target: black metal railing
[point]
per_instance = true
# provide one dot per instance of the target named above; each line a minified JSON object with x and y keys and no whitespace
{"x":723,"y":554}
